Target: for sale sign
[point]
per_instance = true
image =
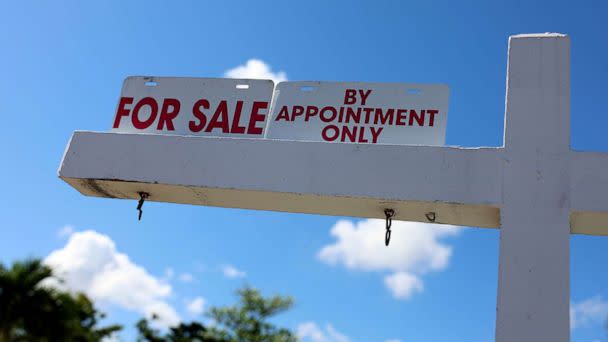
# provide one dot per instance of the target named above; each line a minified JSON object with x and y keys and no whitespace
{"x":375,"y":113}
{"x":193,"y":106}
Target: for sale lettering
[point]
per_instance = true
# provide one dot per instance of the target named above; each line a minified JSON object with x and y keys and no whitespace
{"x":223,"y":116}
{"x":356,"y":122}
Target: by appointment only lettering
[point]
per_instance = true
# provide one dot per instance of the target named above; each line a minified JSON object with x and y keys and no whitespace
{"x":359,"y":113}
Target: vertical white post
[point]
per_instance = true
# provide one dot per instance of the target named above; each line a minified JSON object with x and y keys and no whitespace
{"x":534,"y":273}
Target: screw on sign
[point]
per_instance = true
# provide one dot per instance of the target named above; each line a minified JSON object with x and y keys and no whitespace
{"x":142,"y":198}
{"x":389,"y":213}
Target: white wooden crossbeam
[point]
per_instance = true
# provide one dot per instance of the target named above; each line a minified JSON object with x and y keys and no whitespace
{"x":90,"y":155}
{"x":461,"y":185}
{"x":589,"y":193}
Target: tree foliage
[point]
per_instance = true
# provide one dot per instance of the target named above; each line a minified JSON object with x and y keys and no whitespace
{"x":184,"y":332}
{"x":247,"y":321}
{"x":32,"y":312}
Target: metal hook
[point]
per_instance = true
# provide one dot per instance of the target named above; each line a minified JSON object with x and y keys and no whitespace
{"x":388,"y":213}
{"x":142,"y":197}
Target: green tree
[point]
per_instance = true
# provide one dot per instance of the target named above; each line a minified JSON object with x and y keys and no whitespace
{"x":247,"y":321}
{"x":31,"y":312}
{"x":184,"y":332}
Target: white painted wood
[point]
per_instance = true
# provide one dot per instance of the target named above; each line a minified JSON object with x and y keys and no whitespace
{"x":309,"y":177}
{"x":534,"y":187}
{"x":534,"y":271}
{"x":588,"y":192}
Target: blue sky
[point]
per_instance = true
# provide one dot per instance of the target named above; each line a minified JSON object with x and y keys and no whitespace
{"x":62,"y":65}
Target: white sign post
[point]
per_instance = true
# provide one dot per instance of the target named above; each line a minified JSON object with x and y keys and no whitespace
{"x":534,"y":188}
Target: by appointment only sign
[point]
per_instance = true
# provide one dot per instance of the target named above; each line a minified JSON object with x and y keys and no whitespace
{"x":375,"y":113}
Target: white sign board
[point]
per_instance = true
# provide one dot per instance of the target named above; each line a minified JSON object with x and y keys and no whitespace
{"x":193,"y":106}
{"x":376,"y":113}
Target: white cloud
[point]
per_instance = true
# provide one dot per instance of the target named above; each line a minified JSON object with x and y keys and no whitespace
{"x":65,"y":231}
{"x":415,"y":249}
{"x":335,"y":335}
{"x":590,"y":311}
{"x":186,"y":277}
{"x":195,"y":306}
{"x":255,"y":68}
{"x":310,"y":331}
{"x":403,"y":285}
{"x":232,"y":272}
{"x":90,"y":263}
